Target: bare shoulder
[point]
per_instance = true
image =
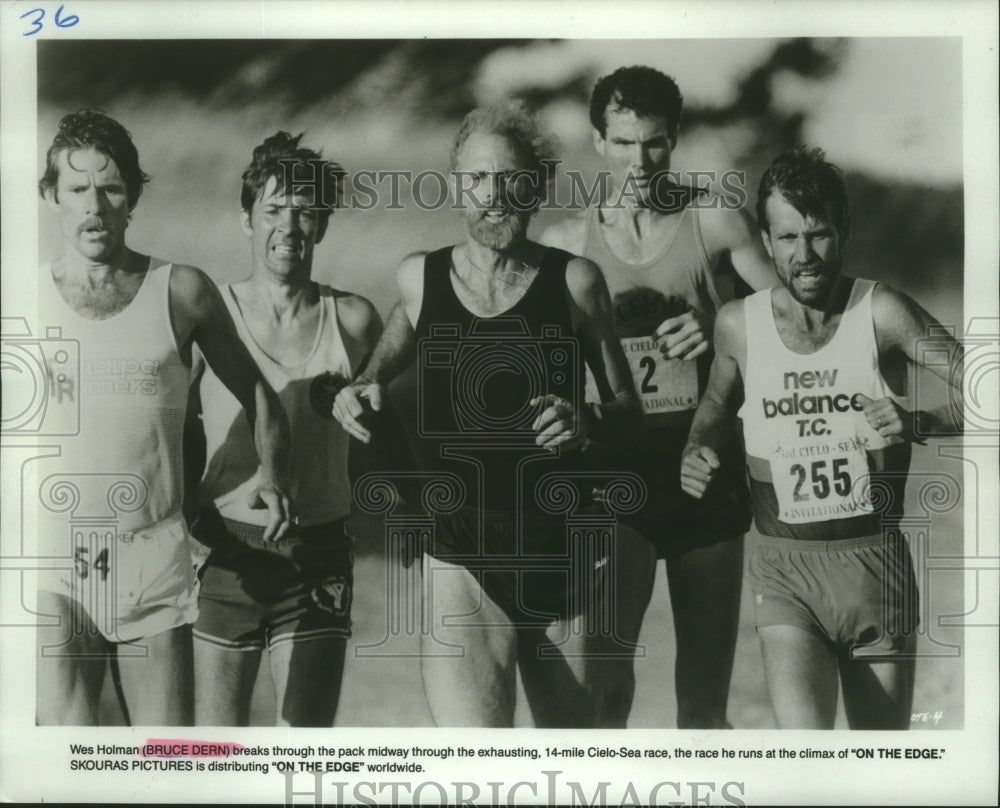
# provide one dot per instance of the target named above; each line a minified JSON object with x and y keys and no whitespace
{"x":587,"y":289}
{"x":191,"y":288}
{"x":894,"y":311}
{"x":889,"y":302}
{"x":584,"y":276}
{"x":731,"y":316}
{"x":195,"y":304}
{"x":899,"y":320}
{"x":730,"y":330}
{"x":357,"y":314}
{"x":568,"y":234}
{"x":725,"y":231}
{"x":725,"y":228}
{"x":410,"y":276}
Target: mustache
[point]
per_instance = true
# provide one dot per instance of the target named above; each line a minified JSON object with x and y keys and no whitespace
{"x":94,"y":223}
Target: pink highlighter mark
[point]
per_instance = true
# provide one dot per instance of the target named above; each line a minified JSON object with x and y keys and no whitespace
{"x":179,"y":747}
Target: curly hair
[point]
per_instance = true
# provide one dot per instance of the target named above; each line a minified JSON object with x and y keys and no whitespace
{"x":280,"y":156}
{"x":513,"y":121}
{"x":813,"y":186}
{"x":92,"y":128}
{"x":644,"y":90}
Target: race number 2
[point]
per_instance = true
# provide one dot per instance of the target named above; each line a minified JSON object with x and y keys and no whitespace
{"x":664,"y":385}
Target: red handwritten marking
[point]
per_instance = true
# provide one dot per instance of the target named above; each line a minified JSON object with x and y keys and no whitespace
{"x":180,"y":747}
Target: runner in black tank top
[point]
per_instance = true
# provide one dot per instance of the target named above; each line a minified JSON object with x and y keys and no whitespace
{"x":501,"y":360}
{"x":499,"y":328}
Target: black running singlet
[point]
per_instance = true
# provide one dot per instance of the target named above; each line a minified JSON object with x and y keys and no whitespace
{"x":477,"y":375}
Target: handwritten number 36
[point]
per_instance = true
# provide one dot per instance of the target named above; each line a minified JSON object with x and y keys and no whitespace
{"x":62,"y":22}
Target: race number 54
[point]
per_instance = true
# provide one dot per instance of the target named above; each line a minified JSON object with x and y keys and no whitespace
{"x":84,"y":560}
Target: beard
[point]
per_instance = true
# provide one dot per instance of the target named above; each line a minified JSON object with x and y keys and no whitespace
{"x":500,"y":235}
{"x":815,"y":287}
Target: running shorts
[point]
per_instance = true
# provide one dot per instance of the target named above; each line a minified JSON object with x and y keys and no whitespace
{"x":860,"y":594}
{"x":533,"y":567}
{"x":256,"y":594}
{"x":131,"y":584}
{"x":675,"y":522}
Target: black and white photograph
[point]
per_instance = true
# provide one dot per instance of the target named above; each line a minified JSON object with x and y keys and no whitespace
{"x":399,"y":410}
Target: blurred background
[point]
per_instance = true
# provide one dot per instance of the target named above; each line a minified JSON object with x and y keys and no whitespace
{"x":887,"y":110}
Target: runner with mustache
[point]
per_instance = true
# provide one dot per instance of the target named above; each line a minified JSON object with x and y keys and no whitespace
{"x":126,"y":593}
{"x":816,"y":371}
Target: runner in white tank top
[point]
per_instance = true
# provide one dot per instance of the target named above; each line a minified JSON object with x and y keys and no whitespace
{"x":317,"y":480}
{"x":292,"y":597}
{"x":130,"y":374}
{"x":809,"y":446}
{"x":819,"y":367}
{"x":109,"y":512}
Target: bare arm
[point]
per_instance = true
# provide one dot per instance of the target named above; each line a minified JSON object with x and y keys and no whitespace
{"x":361,"y":328}
{"x":725,"y":232}
{"x":394,"y":351}
{"x":200,"y":316}
{"x":733,"y":232}
{"x":619,"y":416}
{"x":902,"y":325}
{"x":715,"y":418}
{"x":195,"y":446}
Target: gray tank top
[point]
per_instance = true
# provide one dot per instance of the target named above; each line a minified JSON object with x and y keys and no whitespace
{"x":680,"y":277}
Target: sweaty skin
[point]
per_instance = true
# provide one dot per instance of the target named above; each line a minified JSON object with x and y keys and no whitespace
{"x":802,"y":670}
{"x":704,"y":580}
{"x":490,"y":272}
{"x":99,"y":277}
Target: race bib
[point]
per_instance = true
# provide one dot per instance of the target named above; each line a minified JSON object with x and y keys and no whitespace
{"x":664,"y":385}
{"x":95,"y":573}
{"x":819,"y":468}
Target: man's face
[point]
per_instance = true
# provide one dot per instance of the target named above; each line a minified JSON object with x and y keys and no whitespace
{"x":806,"y":252}
{"x":495,"y":209}
{"x":284,"y":229}
{"x":634,"y":149}
{"x":92,"y":202}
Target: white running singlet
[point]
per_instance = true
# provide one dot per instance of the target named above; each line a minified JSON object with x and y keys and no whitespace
{"x":109,"y":504}
{"x":124,"y":390}
{"x":809,"y":446}
{"x":318,"y":483}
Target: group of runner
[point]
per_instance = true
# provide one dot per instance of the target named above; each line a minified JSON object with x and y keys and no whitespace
{"x":643,"y":361}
